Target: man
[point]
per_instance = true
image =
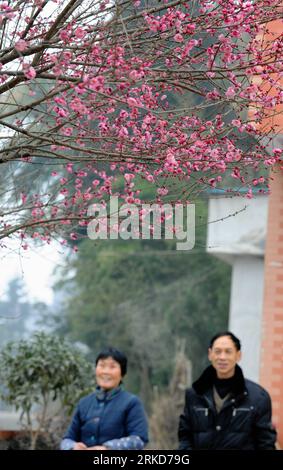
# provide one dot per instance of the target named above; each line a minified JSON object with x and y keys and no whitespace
{"x":223,"y":410}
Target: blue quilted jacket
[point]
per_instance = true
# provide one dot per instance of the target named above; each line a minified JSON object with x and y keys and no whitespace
{"x":105,"y":416}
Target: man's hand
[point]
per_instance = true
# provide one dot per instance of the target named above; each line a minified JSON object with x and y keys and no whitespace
{"x":79,"y":446}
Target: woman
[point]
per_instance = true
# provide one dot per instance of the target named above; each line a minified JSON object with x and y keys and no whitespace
{"x":109,"y":418}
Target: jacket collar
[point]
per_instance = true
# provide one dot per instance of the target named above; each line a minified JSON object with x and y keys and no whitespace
{"x":207,"y":379}
{"x":102,"y":395}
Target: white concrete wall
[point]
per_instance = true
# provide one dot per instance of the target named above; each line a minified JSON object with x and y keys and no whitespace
{"x":11,"y":421}
{"x":236,"y":234}
{"x":245,"y":314}
{"x":237,"y":225}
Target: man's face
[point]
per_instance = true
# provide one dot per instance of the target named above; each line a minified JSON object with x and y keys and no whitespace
{"x":224,"y":356}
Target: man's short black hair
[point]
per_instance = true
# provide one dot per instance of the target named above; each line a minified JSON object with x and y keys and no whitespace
{"x":234,"y":338}
{"x":117,"y":355}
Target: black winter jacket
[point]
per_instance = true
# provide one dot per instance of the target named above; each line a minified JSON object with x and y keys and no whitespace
{"x":244,"y":422}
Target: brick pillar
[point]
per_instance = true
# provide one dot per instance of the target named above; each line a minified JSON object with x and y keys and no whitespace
{"x":271,"y":367}
{"x":271,"y":370}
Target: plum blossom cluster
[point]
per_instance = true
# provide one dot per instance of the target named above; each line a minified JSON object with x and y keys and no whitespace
{"x":104,"y":98}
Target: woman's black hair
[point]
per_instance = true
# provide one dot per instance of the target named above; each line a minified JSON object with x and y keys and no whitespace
{"x":117,"y":355}
{"x":234,"y":338}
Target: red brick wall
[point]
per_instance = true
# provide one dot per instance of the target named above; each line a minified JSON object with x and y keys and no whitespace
{"x":271,"y":371}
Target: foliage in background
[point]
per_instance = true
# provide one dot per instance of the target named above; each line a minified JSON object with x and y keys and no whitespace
{"x":15,"y":311}
{"x":144,"y":296}
{"x":168,"y":405}
{"x":18,"y":315}
{"x":39,"y":372}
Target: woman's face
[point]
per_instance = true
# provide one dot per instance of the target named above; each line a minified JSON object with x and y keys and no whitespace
{"x":108,"y":373}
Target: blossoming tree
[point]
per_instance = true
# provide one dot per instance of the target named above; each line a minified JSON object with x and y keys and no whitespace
{"x":98,"y":97}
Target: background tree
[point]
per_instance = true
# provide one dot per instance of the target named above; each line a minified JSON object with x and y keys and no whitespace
{"x":144,"y":297}
{"x":18,"y":315}
{"x":167,"y":406}
{"x":37,"y":372}
{"x":14,"y":312}
{"x":102,"y":89}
